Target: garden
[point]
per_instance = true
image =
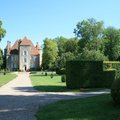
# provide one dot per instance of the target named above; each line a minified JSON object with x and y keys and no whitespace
{"x":87,"y":75}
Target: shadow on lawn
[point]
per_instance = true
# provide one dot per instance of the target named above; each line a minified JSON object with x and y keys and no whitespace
{"x":44,"y":89}
{"x":52,"y":88}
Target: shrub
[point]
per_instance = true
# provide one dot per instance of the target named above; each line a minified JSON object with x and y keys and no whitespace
{"x":63,"y":78}
{"x":115,"y":91}
{"x":45,"y":73}
{"x":60,"y":71}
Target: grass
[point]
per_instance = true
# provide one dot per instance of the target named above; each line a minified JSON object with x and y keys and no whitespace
{"x":6,"y":78}
{"x":48,"y":84}
{"x":93,"y":108}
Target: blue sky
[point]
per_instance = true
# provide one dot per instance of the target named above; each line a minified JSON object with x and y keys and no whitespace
{"x":38,"y":19}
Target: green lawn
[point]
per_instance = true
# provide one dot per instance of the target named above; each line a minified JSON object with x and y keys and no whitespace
{"x":6,"y":78}
{"x":93,"y":108}
{"x":48,"y":84}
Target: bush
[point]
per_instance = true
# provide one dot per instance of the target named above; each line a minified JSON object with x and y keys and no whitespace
{"x":115,"y":91}
{"x":45,"y":73}
{"x":60,"y":71}
{"x":63,"y":78}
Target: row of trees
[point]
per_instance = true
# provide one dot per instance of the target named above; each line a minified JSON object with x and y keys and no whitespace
{"x":92,"y":42}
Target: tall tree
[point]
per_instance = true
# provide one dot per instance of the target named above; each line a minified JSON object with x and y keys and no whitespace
{"x":71,"y":45}
{"x":2,"y":31}
{"x":61,"y":44}
{"x":67,"y":50}
{"x":112,"y":44}
{"x":50,"y":53}
{"x":88,"y":30}
{"x":91,"y":42}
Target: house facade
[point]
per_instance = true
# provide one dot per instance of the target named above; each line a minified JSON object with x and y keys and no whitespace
{"x":23,"y":55}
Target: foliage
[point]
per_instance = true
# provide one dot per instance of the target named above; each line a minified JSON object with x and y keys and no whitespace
{"x":1,"y":58}
{"x":50,"y":53}
{"x":60,"y":71}
{"x":61,"y":61}
{"x":67,"y":50}
{"x":115,"y":91}
{"x":112,"y":65}
{"x":71,"y":45}
{"x":63,"y":78}
{"x":92,"y":108}
{"x":61,"y":44}
{"x":88,"y":30}
{"x":87,"y":74}
{"x":2,"y":31}
{"x":112,"y":44}
{"x":91,"y":55}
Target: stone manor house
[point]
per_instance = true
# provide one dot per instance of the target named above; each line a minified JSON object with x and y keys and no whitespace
{"x":23,"y":55}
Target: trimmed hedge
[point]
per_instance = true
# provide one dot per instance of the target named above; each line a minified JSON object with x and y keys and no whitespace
{"x":114,"y":65}
{"x":83,"y":74}
{"x":108,"y":78}
{"x":115,"y":91}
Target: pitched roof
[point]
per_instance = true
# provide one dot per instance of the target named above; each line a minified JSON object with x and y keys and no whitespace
{"x":24,"y":42}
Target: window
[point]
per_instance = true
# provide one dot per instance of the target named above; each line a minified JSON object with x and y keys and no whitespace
{"x":25,"y":60}
{"x":24,"y":52}
{"x":12,"y":58}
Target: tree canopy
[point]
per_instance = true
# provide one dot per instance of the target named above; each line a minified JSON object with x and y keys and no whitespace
{"x":50,"y":53}
{"x":92,"y":42}
{"x":112,"y":44}
{"x":2,"y":31}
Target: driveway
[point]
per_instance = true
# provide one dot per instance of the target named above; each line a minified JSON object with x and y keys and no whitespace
{"x":19,"y":101}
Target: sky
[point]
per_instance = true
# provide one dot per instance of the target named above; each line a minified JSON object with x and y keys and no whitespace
{"x":38,"y":19}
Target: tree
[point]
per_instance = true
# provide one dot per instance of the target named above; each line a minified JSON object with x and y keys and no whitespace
{"x":112,"y":44}
{"x":67,"y":50}
{"x":71,"y":45}
{"x":91,"y":42}
{"x":88,"y":30}
{"x":91,"y":55}
{"x":61,"y":61}
{"x":2,"y":31}
{"x":1,"y":58}
{"x":50,"y":53}
{"x":61,"y":44}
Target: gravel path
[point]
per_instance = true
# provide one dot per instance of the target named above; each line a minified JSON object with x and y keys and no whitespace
{"x":19,"y":101}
